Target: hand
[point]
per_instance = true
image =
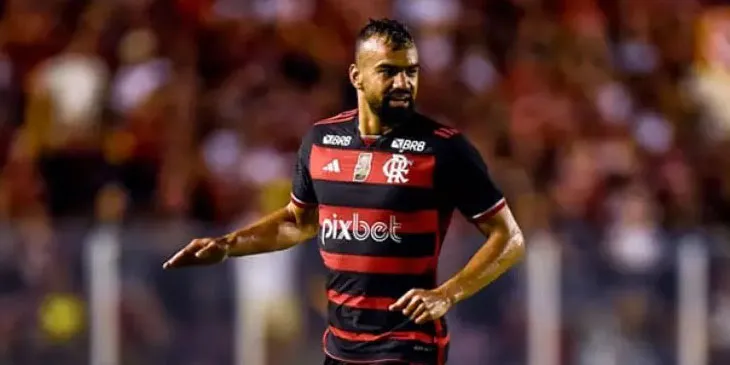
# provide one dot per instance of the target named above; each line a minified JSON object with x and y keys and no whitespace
{"x":423,"y":305}
{"x":202,"y":251}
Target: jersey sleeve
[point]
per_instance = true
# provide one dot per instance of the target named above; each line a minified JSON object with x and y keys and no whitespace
{"x":303,"y":193}
{"x":471,"y":189}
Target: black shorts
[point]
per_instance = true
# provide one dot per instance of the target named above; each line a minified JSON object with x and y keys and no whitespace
{"x":330,"y":361}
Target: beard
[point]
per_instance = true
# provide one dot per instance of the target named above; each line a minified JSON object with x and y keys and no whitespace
{"x":392,"y":116}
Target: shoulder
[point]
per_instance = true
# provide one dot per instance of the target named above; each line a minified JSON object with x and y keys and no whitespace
{"x":335,"y":126}
{"x":428,"y":128}
{"x":444,"y":137}
{"x":428,"y":136}
{"x":331,"y":128}
{"x":340,"y":118}
{"x":451,"y":144}
{"x":442,"y":131}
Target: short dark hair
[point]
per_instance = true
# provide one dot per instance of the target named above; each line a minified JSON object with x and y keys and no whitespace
{"x":395,"y":33}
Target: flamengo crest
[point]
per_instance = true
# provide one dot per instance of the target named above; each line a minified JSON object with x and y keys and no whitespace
{"x":396,"y":169}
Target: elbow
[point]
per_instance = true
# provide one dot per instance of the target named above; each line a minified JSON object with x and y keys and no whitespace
{"x":516,"y":247}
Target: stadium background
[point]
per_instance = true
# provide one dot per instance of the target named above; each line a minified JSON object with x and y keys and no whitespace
{"x":128,"y":127}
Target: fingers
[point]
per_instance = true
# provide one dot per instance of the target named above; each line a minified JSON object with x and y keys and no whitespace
{"x":212,"y":249}
{"x":187,"y":255}
{"x":424,"y":317}
{"x":421,"y":305}
{"x":400,"y":304}
{"x":420,"y":309}
{"x":179,"y":258}
{"x":414,"y":304}
{"x":205,"y":250}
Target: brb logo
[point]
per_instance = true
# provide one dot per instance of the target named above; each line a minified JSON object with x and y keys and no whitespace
{"x":396,"y":169}
{"x":354,"y":228}
{"x":401,"y":145}
{"x":334,"y":140}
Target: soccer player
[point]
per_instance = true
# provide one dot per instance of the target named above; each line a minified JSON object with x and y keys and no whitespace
{"x":377,"y":185}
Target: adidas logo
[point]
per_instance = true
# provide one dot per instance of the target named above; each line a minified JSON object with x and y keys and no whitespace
{"x":333,"y":166}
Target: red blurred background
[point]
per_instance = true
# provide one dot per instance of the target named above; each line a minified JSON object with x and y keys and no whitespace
{"x":128,"y":127}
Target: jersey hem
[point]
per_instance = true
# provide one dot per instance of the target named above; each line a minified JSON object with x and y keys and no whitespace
{"x":441,"y":343}
{"x":370,"y":362}
{"x":344,"y":359}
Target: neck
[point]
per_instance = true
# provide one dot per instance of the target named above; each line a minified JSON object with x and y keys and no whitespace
{"x":368,"y":122}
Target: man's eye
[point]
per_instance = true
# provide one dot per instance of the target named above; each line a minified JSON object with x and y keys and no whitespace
{"x":388,"y":71}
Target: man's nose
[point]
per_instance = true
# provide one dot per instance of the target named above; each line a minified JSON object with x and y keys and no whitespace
{"x":401,"y":81}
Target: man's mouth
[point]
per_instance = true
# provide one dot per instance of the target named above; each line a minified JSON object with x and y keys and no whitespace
{"x":400,"y":97}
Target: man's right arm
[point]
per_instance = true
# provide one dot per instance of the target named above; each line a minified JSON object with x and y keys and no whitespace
{"x":293,"y":224}
{"x":285,"y":228}
{"x":277,"y":231}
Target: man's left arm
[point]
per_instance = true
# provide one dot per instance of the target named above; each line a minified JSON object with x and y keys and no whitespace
{"x":503,"y":249}
{"x":477,"y":197}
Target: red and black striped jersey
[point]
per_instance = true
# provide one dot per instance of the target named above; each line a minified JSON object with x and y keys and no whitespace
{"x":384,"y":205}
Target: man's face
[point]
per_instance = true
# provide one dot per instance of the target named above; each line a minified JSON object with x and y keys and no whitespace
{"x":388,"y":79}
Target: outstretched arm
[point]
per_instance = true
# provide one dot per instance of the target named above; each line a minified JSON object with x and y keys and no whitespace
{"x":277,"y":231}
{"x":286,"y":227}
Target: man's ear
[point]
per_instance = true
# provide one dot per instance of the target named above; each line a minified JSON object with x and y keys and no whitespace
{"x":355,"y":77}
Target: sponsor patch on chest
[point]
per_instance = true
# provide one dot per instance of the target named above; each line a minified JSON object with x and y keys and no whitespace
{"x":335,"y":140}
{"x":402,"y":145}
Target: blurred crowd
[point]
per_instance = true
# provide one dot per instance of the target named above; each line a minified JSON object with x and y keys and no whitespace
{"x":606,"y":123}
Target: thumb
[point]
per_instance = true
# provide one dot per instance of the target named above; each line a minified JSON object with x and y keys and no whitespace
{"x":210,"y":248}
